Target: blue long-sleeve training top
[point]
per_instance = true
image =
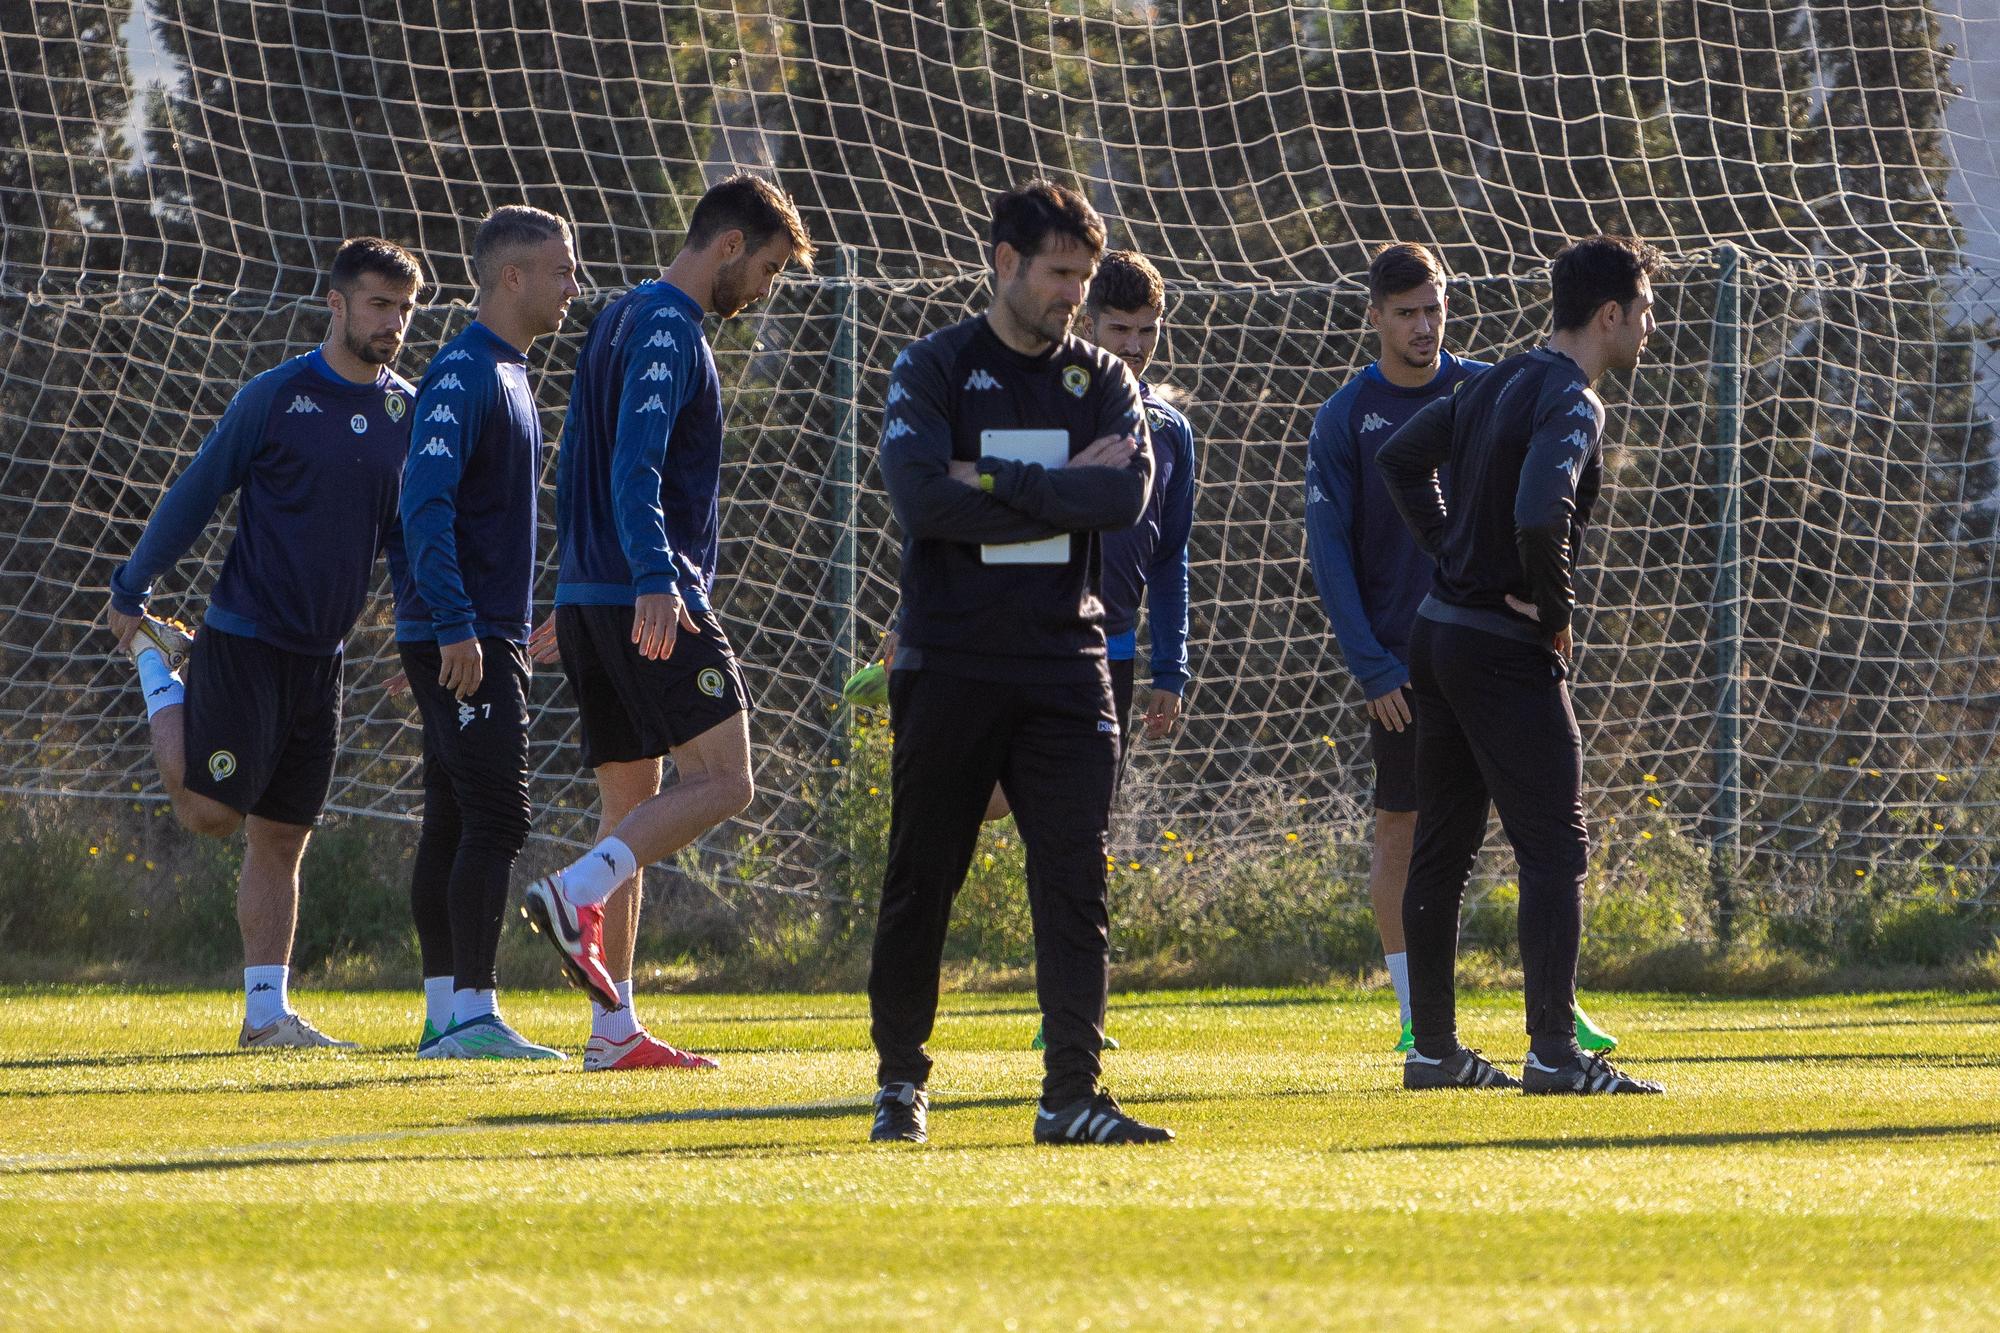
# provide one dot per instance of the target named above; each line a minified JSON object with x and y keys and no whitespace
{"x":1152,"y":555}
{"x":469,"y":491}
{"x":1524,"y":443}
{"x":1369,"y":571}
{"x":639,"y":475}
{"x":318,"y":462}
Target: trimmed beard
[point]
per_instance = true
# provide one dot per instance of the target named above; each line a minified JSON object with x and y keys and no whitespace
{"x":363,"y":350}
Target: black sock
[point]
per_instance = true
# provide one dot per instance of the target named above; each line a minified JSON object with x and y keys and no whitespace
{"x":1437,"y":1048}
{"x":1556,"y":1052}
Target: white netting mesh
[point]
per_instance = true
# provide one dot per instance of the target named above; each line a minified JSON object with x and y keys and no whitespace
{"x":177,"y":174}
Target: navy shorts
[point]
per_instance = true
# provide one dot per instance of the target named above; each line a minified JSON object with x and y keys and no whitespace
{"x":262,"y":726}
{"x":1395,"y":754}
{"x":633,"y":707}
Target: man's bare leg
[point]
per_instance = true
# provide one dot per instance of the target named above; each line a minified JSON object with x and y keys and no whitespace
{"x":620,"y":790}
{"x":197,"y":814}
{"x":267,"y":895}
{"x":713,"y":785}
{"x":1388,"y":872}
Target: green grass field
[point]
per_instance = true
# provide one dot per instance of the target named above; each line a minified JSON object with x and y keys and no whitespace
{"x":1833,"y":1162}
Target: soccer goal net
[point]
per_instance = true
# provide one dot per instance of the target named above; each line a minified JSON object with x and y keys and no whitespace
{"x":1787,"y":656}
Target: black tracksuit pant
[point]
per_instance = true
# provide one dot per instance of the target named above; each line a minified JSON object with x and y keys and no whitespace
{"x":1054,"y":751}
{"x":476,"y":808}
{"x":1494,"y":724}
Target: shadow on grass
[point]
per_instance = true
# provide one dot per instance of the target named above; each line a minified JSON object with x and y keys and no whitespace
{"x":361,"y":1084}
{"x":1975,"y":1018}
{"x":1925,"y":1059}
{"x":1772,"y":1137}
{"x":203,"y":1165}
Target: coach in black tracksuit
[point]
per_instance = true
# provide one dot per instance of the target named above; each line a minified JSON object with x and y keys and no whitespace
{"x":1001,"y":675}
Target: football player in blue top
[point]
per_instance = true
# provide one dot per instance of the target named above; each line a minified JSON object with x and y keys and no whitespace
{"x":1522,"y":446}
{"x":1371,"y":575}
{"x":638,"y":510}
{"x":462,"y":622}
{"x":313,"y":450}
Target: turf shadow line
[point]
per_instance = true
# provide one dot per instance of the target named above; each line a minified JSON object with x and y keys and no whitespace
{"x":313,"y":1152}
{"x":1932,"y":1059}
{"x":120,"y":1061}
{"x":1970,"y":1020}
{"x":1858,"y":1133}
{"x":203,"y":1165}
{"x":439,"y":1079}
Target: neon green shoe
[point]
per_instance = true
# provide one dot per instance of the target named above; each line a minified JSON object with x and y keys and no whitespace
{"x":1039,"y":1044}
{"x":868,"y":687}
{"x":427,"y":1045}
{"x":1590,"y":1036}
{"x":1407,"y":1042}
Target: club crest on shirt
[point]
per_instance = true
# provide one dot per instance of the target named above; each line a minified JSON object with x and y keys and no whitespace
{"x":221,"y":764}
{"x":1077,"y":380}
{"x":709,"y":682}
{"x":394,"y":405}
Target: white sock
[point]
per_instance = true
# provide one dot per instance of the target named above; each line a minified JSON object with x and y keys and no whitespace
{"x":467,"y":1005}
{"x":162,"y":688}
{"x":619,"y":1024}
{"x":596,"y":875}
{"x":437,"y":1002}
{"x":264,"y":994}
{"x":1399,"y":977}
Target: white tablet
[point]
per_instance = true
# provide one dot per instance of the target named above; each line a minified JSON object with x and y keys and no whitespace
{"x":1050,"y":448}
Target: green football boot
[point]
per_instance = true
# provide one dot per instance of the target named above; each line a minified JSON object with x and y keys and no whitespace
{"x":1590,"y":1036}
{"x":1040,"y":1044}
{"x":1407,"y":1042}
{"x":868,"y":687}
{"x":427,"y":1044}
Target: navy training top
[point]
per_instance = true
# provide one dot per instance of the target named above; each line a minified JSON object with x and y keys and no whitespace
{"x":469,"y":493}
{"x":639,"y":474}
{"x":317,"y":462}
{"x":1369,"y":571}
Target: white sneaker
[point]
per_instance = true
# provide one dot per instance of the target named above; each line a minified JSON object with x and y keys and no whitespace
{"x":290,"y":1030}
{"x":169,"y":638}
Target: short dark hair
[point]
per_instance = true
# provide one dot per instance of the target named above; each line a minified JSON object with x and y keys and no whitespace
{"x":506,"y":227}
{"x":1126,"y":280}
{"x":372,"y":254}
{"x":1593,"y":271}
{"x":1027,"y":216}
{"x":1399,"y":266}
{"x":752,"y":205}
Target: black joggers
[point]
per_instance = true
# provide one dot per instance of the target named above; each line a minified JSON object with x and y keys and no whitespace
{"x":475,"y":808}
{"x":1494,"y":725}
{"x":1054,"y":751}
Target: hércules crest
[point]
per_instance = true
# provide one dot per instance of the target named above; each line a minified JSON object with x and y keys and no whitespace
{"x":1077,"y":380}
{"x":394,"y":405}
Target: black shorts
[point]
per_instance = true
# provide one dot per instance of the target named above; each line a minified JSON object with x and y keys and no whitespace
{"x":262,"y":726}
{"x":1395,"y":754}
{"x":634,"y":708}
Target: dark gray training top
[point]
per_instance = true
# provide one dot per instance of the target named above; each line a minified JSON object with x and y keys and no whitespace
{"x":1524,"y":445}
{"x":1004,"y":622}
